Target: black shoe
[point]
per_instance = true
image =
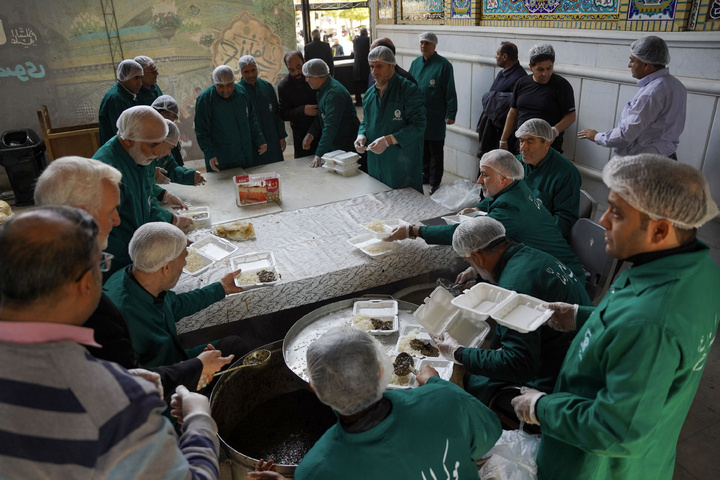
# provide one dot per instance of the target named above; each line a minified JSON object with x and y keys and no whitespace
{"x":433,"y":190}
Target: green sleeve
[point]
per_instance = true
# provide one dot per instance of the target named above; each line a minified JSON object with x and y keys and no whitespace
{"x":566,"y":204}
{"x":582,"y":315}
{"x":189,"y":303}
{"x":203,"y":126}
{"x":331,"y":125}
{"x":438,"y":234}
{"x":255,"y":129}
{"x":450,"y":94}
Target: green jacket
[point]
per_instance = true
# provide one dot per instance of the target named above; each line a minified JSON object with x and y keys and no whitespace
{"x":137,"y":202}
{"x":227,"y":128}
{"x":146,"y":96}
{"x":152,"y":321}
{"x":265,"y":105}
{"x":436,"y":80}
{"x":525,"y":220}
{"x":116,"y":100}
{"x":400,"y":112}
{"x":532,"y":358}
{"x":434,"y":431}
{"x":336,"y":120}
{"x":556,"y":181}
{"x":631,"y":373}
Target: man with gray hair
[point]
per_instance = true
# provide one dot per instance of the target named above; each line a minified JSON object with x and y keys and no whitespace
{"x":508,"y":199}
{"x":141,"y":132}
{"x":349,"y":371}
{"x":394,"y":120}
{"x":149,"y":90}
{"x":143,"y":294}
{"x":65,"y":413}
{"x":514,"y":358}
{"x":551,"y":177}
{"x":654,"y":119}
{"x":120,"y":97}
{"x":632,"y":371}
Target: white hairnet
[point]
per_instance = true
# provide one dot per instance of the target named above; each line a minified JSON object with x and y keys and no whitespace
{"x":223,"y":74}
{"x":246,"y":60}
{"x":381,"y":54}
{"x":154,"y":244}
{"x":141,"y":124}
{"x":144,"y":61}
{"x":662,"y":188}
{"x":651,"y":49}
{"x":429,"y":37}
{"x":541,"y":49}
{"x":315,"y":68}
{"x":475,"y":234}
{"x":504,"y":163}
{"x":128,"y":69}
{"x":536,"y":127}
{"x":173,"y":136}
{"x":344,"y":366}
{"x":166,"y":102}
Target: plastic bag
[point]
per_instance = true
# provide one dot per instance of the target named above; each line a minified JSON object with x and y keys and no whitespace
{"x":513,"y":457}
{"x":458,"y":195}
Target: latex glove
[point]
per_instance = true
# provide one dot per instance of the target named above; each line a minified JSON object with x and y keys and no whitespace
{"x":149,"y":376}
{"x":262,"y":148}
{"x":311,"y":110}
{"x":400,"y":233}
{"x":283,"y":144}
{"x":307,"y":141}
{"x":183,"y":223}
{"x":174,"y":201}
{"x":468,"y":211}
{"x":214,"y":164}
{"x":425,"y":373}
{"x":465,"y":276}
{"x":360,"y":142}
{"x":555,"y":133}
{"x":228,"y":282}
{"x":525,"y":405}
{"x":160,"y":177}
{"x":379,"y":145}
{"x":185,"y":404}
{"x":447,"y":346}
{"x":564,"y":318}
{"x":198,"y":178}
{"x":317,"y":162}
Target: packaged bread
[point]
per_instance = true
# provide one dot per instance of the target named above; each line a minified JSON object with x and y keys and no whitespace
{"x":236,"y":231}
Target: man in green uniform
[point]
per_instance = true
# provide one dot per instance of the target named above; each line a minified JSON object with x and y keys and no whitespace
{"x":337,"y":118}
{"x":225,"y":124}
{"x":142,"y":293}
{"x":434,"y":431}
{"x":551,"y":177}
{"x":168,"y":108}
{"x":394,"y":120}
{"x":532,"y":358}
{"x":509,"y":200}
{"x":149,"y":90}
{"x":141,"y":132}
{"x":120,"y":97}
{"x":632,"y":371}
{"x":434,"y":74}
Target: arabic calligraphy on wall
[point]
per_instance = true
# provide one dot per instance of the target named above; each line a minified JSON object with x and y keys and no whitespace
{"x":23,"y":72}
{"x":551,"y":10}
{"x":14,"y":65}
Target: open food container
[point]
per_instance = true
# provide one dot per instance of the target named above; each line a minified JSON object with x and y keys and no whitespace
{"x":522,"y":313}
{"x":415,"y":332}
{"x":376,"y":311}
{"x":444,"y":368}
{"x":196,"y":262}
{"x":199,"y":215}
{"x":370,"y":245}
{"x":455,"y":219}
{"x":383,"y":228}
{"x":257,"y":270}
{"x":481,"y":300}
{"x":214,"y":247}
{"x":438,"y":313}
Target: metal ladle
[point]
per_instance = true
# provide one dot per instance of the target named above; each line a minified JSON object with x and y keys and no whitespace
{"x":253,"y":359}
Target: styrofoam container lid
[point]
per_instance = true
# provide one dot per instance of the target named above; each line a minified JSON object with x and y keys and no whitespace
{"x":522,"y":313}
{"x":369,"y":240}
{"x":204,"y":260}
{"x":329,"y":163}
{"x":214,"y":247}
{"x":333,"y":154}
{"x":346,"y":158}
{"x":437,"y":311}
{"x":347,"y":167}
{"x":481,"y":300}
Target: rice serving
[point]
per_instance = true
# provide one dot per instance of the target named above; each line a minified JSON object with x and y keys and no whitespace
{"x":377,"y":226}
{"x":193,"y":262}
{"x":247,"y":278}
{"x":362,"y":322}
{"x":401,"y":380}
{"x":378,"y":248}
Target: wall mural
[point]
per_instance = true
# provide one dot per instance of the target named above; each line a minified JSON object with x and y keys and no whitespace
{"x":550,"y":10}
{"x":422,"y":9}
{"x":385,"y":9}
{"x":642,"y":10}
{"x":461,"y":9}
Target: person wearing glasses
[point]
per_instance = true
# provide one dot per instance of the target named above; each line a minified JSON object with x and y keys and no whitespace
{"x":149,"y":90}
{"x":119,"y":98}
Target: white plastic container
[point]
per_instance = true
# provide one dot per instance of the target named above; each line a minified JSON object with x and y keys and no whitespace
{"x":480,"y":301}
{"x":214,"y":247}
{"x":199,"y":215}
{"x":388,"y":227}
{"x":347,"y":170}
{"x":418,"y":332}
{"x":253,"y":263}
{"x":522,"y":313}
{"x":204,"y":260}
{"x":444,"y":368}
{"x":384,"y":310}
{"x":346,"y":158}
{"x":438,"y":314}
{"x":367,"y":241}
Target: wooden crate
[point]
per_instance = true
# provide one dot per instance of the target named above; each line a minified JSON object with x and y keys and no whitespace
{"x":81,"y":140}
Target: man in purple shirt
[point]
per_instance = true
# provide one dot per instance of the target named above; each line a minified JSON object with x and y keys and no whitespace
{"x":654,"y":119}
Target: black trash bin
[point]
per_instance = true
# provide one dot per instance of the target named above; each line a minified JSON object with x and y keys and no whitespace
{"x":22,"y":153}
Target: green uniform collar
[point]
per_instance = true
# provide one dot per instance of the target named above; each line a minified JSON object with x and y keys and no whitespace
{"x":511,"y":251}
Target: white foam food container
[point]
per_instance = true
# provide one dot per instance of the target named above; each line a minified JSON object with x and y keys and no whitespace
{"x":455,"y":219}
{"x":254,"y":262}
{"x":480,"y":301}
{"x":199,"y":215}
{"x":214,"y":247}
{"x":346,"y":158}
{"x":347,"y":171}
{"x":368,"y":240}
{"x":414,"y":331}
{"x":384,"y":310}
{"x":438,"y":314}
{"x":522,"y":313}
{"x":388,"y":227}
{"x":333,"y":154}
{"x":444,"y":368}
{"x":204,"y":259}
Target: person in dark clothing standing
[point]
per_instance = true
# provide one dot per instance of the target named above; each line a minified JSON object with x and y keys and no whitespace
{"x":319,"y":49}
{"x":298,"y":103}
{"x":361,"y":67}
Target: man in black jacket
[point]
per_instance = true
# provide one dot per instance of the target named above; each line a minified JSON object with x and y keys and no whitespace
{"x":298,"y":103}
{"x":319,"y":49}
{"x":361,"y":67}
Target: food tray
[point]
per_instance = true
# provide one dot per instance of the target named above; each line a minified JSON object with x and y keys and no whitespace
{"x":214,"y":247}
{"x":438,"y":314}
{"x":346,"y":158}
{"x":444,"y":368}
{"x":206,"y":262}
{"x":480,"y":301}
{"x":522,"y":313}
{"x":388,"y":227}
{"x":254,"y":262}
{"x":362,"y":242}
{"x":199,"y":215}
{"x":382,"y":309}
{"x":422,"y":334}
{"x":455,"y":219}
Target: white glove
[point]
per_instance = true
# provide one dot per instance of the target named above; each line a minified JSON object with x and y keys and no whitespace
{"x":185,"y":404}
{"x":360,"y":142}
{"x":447,"y":346}
{"x":149,"y":376}
{"x":525,"y":405}
{"x":378,"y":146}
{"x":564,"y":318}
